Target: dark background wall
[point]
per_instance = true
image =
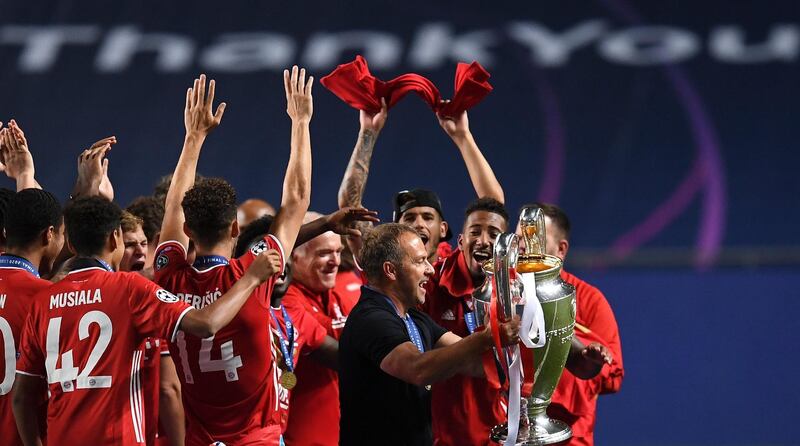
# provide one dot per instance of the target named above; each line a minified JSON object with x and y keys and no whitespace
{"x":667,"y":130}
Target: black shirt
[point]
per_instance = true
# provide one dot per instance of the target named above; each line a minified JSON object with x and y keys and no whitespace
{"x":378,"y":408}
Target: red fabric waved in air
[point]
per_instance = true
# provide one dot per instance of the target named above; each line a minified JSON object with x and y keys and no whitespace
{"x":354,"y":84}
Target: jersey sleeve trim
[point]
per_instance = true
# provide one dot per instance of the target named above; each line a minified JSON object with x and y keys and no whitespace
{"x":175,"y":242}
{"x":283,"y":253}
{"x":22,"y":372}
{"x":178,"y":323}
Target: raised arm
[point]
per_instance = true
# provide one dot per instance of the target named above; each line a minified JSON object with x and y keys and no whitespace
{"x":480,"y":172}
{"x":17,"y":161}
{"x":351,"y":191}
{"x":208,"y":320}
{"x":199,"y":122}
{"x":296,"y":194}
{"x":341,"y":222}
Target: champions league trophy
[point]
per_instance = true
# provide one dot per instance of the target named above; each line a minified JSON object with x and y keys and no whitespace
{"x":529,"y":284}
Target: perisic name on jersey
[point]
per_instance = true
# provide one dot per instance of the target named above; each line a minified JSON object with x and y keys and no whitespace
{"x":199,"y":302}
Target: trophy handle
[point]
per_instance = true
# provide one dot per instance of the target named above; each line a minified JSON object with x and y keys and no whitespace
{"x":506,"y":254}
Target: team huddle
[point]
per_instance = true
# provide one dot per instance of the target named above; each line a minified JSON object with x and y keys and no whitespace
{"x":186,"y":319}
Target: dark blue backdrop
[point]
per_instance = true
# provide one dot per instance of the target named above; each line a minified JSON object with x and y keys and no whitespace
{"x":667,"y":130}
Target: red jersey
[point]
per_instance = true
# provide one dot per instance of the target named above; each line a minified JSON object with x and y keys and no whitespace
{"x":575,"y":400}
{"x":308,"y":336}
{"x":317,"y":391}
{"x":463,"y":408}
{"x":226,"y":379}
{"x":152,"y":350}
{"x":17,"y":288}
{"x":83,"y":335}
{"x":348,"y":286}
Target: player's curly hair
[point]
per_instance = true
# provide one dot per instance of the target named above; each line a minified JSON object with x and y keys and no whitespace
{"x":210,"y":208}
{"x":30,"y":212}
{"x":90,"y":220}
{"x":489,"y":205}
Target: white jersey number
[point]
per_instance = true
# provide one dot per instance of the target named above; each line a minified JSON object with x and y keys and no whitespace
{"x":228,"y":363}
{"x":68,"y":372}
{"x":10,"y":355}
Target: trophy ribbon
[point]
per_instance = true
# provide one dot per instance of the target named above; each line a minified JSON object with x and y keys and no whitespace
{"x":514,"y":373}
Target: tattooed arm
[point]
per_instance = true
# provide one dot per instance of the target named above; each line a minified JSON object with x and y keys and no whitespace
{"x":351,"y":191}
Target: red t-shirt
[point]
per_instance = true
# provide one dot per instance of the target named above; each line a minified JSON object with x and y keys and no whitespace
{"x":83,"y":335}
{"x":17,"y":288}
{"x":464,"y":408}
{"x":308,"y":336}
{"x":348,"y":286}
{"x":575,"y":400}
{"x":314,"y":418}
{"x":226,"y":380}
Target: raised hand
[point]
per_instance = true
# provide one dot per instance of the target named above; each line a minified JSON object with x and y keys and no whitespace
{"x":597,"y":353}
{"x":15,"y":158}
{"x":93,"y":170}
{"x":197,"y":116}
{"x":266,"y":265}
{"x":455,"y":127}
{"x":343,"y":221}
{"x":374,"y":122}
{"x":299,"y":103}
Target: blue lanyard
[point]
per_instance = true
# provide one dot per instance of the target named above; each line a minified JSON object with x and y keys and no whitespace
{"x":89,"y":262}
{"x":411,"y":327}
{"x":287,"y":340}
{"x":204,"y":262}
{"x":469,"y":318}
{"x":12,"y":261}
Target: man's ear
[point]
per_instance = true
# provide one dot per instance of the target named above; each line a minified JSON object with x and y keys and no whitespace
{"x":461,"y":242}
{"x":390,"y":270}
{"x":235,"y":229}
{"x":112,"y":241}
{"x":47,"y":235}
{"x":442,"y":229}
{"x":563,"y":247}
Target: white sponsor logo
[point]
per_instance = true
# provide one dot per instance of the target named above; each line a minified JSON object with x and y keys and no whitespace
{"x":448,"y":315}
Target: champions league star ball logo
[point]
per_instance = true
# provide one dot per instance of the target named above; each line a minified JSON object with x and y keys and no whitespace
{"x":166,"y":297}
{"x":217,"y":443}
{"x":259,"y":247}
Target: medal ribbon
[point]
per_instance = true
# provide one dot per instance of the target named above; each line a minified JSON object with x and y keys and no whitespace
{"x":411,"y":327}
{"x":469,"y":318}
{"x":89,"y":262}
{"x":205,"y":262}
{"x":287,"y":340}
{"x":12,"y":261}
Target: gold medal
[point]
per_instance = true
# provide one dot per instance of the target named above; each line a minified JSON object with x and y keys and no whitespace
{"x":288,"y":380}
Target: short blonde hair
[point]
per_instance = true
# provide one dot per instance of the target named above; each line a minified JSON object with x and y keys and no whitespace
{"x":129,"y":222}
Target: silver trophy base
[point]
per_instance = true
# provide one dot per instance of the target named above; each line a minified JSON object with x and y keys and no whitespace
{"x":544,"y":432}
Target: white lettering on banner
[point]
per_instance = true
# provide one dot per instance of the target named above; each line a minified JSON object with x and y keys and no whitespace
{"x":433,"y":45}
{"x":727,"y":43}
{"x":247,"y":52}
{"x":174,"y":51}
{"x":650,"y":45}
{"x":549,"y":49}
{"x":382,"y":50}
{"x":41,"y":44}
